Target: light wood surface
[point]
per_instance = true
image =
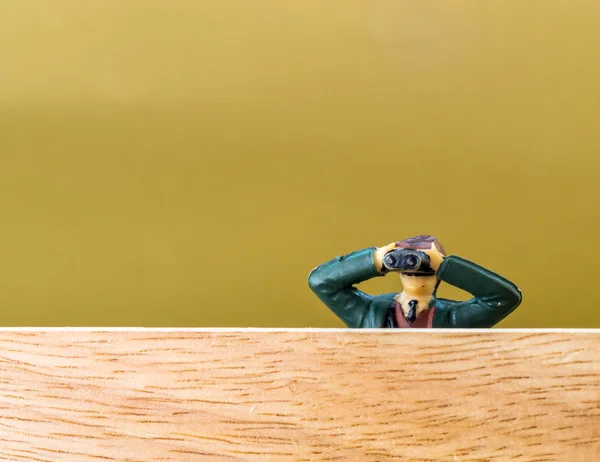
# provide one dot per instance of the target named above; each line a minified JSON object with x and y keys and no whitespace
{"x":299,"y":395}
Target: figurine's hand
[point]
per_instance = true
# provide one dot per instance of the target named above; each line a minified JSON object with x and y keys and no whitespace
{"x":435,"y":256}
{"x":380,"y":253}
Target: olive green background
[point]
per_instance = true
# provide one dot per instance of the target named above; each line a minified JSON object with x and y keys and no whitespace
{"x":187,"y":163}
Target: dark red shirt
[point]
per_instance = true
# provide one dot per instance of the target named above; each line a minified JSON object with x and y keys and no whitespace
{"x":424,"y":319}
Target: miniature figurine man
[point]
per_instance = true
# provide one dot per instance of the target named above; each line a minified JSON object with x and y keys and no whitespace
{"x":422,"y":264}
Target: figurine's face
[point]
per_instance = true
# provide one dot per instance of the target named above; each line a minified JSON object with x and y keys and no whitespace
{"x":423,"y":285}
{"x":419,"y":285}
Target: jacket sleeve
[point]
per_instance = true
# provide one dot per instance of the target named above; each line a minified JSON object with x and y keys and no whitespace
{"x":333,"y":282}
{"x":494,"y":296}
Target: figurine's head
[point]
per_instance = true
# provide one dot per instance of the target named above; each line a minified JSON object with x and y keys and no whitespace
{"x":415,"y":283}
{"x":424,"y":242}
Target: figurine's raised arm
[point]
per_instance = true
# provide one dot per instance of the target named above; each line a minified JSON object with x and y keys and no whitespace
{"x":494,"y":296}
{"x":333,"y":282}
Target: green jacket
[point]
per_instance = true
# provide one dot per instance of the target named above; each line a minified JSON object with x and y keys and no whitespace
{"x":333,"y":282}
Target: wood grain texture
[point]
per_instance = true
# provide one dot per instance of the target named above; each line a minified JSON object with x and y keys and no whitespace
{"x":298,"y":395}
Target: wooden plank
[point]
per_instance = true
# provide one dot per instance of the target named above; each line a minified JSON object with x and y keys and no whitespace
{"x":299,"y":395}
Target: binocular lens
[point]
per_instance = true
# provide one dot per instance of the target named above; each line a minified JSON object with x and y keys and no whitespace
{"x":412,"y":262}
{"x":407,"y":260}
{"x":389,"y":260}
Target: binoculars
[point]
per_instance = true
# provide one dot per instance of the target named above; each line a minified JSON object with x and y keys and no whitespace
{"x":408,"y":261}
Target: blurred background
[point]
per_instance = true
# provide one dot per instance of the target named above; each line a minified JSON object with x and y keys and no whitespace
{"x":187,"y":163}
